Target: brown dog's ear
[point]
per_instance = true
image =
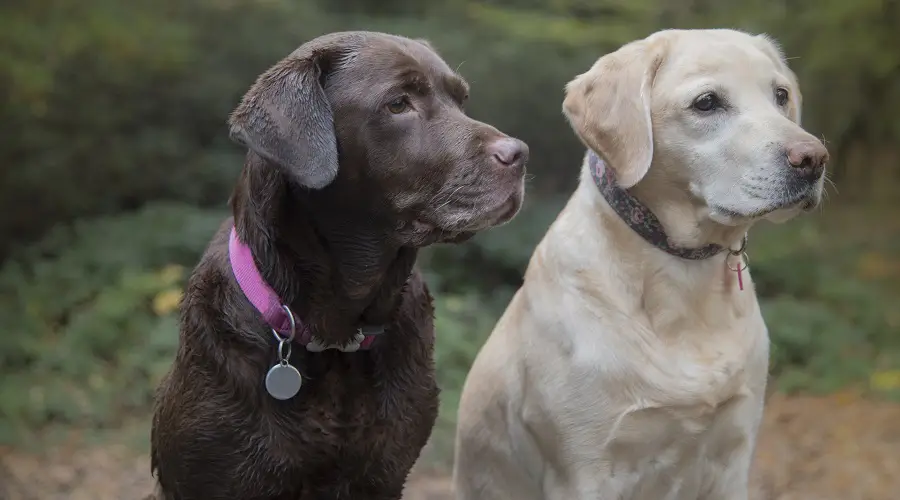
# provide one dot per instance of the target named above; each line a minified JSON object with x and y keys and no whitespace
{"x":609,"y":108}
{"x":286,"y":118}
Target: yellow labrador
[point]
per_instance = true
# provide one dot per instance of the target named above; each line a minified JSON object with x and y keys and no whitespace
{"x":632,"y":363}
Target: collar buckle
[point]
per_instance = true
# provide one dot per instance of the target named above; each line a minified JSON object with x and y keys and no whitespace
{"x":316,"y":345}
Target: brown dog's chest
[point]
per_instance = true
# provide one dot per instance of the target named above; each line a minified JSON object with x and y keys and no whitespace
{"x":355,"y":422}
{"x":352,"y":417}
{"x":358,"y":398}
{"x":357,"y":425}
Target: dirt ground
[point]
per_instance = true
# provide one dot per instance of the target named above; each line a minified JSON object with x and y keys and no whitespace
{"x":835,"y":448}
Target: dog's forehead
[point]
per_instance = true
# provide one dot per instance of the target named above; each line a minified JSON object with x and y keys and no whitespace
{"x":390,"y":57}
{"x":737,"y":59}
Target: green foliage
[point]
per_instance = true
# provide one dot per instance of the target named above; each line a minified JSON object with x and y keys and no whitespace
{"x":814,"y":349}
{"x":499,"y":255}
{"x":462,"y":324}
{"x":832,"y":325}
{"x":89,"y":317}
{"x":601,"y":25}
{"x":110,"y":104}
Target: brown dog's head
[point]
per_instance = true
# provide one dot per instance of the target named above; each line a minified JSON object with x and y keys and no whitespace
{"x":373,"y":124}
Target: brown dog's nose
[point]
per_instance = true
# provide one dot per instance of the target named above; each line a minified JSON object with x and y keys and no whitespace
{"x":509,"y":152}
{"x":808,"y":158}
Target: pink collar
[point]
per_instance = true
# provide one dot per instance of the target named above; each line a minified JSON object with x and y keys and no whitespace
{"x":267,"y":302}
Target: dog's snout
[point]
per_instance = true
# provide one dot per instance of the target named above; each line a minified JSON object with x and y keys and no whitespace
{"x":808,"y":158}
{"x":509,"y":152}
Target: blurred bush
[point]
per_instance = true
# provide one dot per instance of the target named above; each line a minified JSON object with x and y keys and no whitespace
{"x":462,"y":322}
{"x":89,"y":316}
{"x":110,"y":104}
{"x":828,"y":290}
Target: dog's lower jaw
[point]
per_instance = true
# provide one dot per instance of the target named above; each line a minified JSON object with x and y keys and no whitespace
{"x":419,"y":233}
{"x":458,"y":224}
{"x":726,"y":217}
{"x":438,"y":236}
{"x":458,"y":237}
{"x":505,"y":212}
{"x":777,"y":213}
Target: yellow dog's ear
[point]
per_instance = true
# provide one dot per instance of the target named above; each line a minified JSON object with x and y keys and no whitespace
{"x":771,"y":48}
{"x":609,"y":107}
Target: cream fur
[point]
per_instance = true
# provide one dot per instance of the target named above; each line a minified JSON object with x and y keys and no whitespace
{"x":619,"y":371}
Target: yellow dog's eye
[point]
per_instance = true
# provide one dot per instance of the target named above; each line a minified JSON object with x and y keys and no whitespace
{"x":398,"y":106}
{"x":707,"y":102}
{"x":781,"y":96}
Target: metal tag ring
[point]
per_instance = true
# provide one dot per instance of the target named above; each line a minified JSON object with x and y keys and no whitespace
{"x":745,"y":263}
{"x":290,"y":315}
{"x":284,"y":350}
{"x":742,"y":248}
{"x":293,"y":331}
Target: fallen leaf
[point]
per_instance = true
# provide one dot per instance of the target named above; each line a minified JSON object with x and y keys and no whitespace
{"x":885,"y":380}
{"x":875,"y":265}
{"x":845,"y":397}
{"x":171,"y":274}
{"x":166,"y":301}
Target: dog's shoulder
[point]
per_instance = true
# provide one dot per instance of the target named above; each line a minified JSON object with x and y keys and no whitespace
{"x":214,"y":265}
{"x":212,"y":300}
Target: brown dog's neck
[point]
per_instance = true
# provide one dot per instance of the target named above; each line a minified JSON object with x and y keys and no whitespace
{"x":336,"y":266}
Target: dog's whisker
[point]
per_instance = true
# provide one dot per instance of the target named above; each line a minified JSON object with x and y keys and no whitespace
{"x":449,"y":198}
{"x":831,"y":183}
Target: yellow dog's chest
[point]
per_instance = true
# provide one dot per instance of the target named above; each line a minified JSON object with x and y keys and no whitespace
{"x":666,"y":453}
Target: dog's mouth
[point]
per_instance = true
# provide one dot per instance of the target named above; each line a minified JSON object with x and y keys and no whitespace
{"x":810,"y":204}
{"x":805,"y":201}
{"x":425,"y":231}
{"x":506,"y":211}
{"x":496,"y":216}
{"x":459,"y":221}
{"x":422,"y":232}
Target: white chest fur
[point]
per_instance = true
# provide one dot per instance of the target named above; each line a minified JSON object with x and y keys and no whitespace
{"x":649,"y":417}
{"x":656,"y":384}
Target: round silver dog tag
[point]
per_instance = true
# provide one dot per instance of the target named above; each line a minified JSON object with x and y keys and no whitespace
{"x":283,"y":381}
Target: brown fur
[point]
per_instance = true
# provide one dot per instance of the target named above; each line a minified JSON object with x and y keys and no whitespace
{"x":336,"y":196}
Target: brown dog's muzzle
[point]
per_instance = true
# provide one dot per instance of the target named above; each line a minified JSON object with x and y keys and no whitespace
{"x":510,"y":154}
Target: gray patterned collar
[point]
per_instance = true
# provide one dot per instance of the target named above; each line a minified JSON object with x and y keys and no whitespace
{"x":641,"y":220}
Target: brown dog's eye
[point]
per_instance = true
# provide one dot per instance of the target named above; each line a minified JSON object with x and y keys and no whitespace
{"x":781,"y":96}
{"x":398,"y":106}
{"x":707,"y":102}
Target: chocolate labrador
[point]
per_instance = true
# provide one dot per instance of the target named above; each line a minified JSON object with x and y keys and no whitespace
{"x":304,"y":369}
